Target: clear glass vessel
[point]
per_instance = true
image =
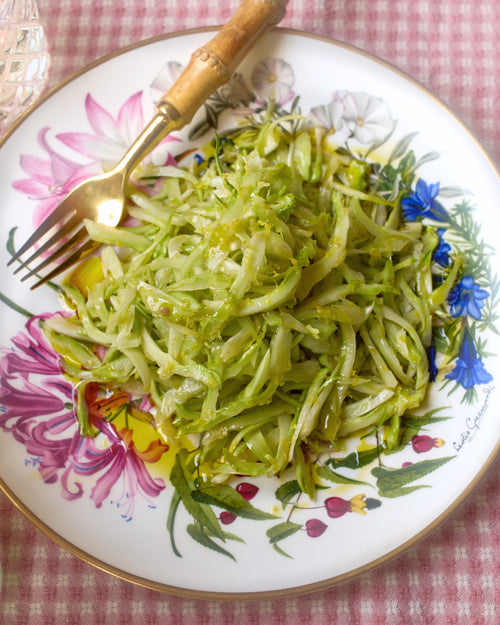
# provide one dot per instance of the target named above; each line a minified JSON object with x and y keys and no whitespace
{"x":24,"y":58}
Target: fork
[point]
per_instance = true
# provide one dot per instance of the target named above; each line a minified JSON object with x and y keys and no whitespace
{"x":63,"y":235}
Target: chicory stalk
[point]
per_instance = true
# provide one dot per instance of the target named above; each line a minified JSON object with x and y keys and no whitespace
{"x":267,"y":300}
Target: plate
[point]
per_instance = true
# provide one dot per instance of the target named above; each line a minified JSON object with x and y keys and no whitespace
{"x":108,"y":501}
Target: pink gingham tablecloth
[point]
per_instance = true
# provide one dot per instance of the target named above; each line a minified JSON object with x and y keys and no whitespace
{"x":453,"y":576}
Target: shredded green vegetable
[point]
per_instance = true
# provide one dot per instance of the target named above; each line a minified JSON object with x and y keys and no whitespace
{"x":269,"y":300}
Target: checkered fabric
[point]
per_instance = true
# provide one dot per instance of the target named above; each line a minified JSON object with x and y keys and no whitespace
{"x":450,"y":578}
{"x":451,"y":46}
{"x":453,"y":576}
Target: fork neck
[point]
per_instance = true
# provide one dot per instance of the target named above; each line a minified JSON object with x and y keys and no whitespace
{"x":166,"y":120}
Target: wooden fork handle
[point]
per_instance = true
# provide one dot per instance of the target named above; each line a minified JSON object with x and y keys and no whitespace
{"x":213,"y":64}
{"x":209,"y":68}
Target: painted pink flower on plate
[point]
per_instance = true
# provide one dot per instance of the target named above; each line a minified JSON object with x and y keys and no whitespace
{"x":53,"y":176}
{"x":50,"y":179}
{"x":226,"y":518}
{"x":36,"y":407}
{"x":315,"y":527}
{"x":247,"y":490}
{"x":422,"y":443}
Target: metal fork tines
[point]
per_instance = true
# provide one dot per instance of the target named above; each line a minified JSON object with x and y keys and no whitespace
{"x":61,"y":237}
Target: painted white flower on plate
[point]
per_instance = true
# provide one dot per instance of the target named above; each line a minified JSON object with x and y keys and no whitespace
{"x":234,"y":92}
{"x":331,"y":116}
{"x":358,"y":115}
{"x":165,"y":78}
{"x":273,"y":79}
{"x":367,"y":117}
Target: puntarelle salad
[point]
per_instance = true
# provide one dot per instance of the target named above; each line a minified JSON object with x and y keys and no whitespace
{"x":269,"y":300}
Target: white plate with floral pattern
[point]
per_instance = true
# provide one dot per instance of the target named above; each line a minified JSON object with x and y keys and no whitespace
{"x":107,"y":499}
